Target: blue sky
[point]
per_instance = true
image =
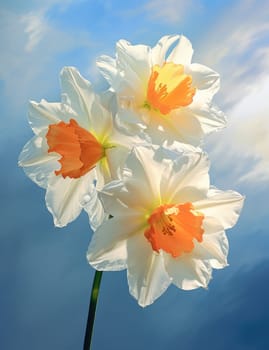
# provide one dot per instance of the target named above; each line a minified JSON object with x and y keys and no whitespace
{"x":44,"y":276}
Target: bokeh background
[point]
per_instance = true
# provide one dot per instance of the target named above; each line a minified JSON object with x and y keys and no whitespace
{"x":45,"y":280}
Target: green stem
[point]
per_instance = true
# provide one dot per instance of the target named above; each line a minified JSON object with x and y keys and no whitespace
{"x":92,"y":308}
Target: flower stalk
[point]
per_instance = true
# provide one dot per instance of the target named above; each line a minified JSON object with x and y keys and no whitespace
{"x":92,"y":308}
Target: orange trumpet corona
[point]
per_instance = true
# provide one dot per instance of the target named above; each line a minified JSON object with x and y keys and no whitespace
{"x":174,"y":227}
{"x":79,"y":149}
{"x":169,"y":88}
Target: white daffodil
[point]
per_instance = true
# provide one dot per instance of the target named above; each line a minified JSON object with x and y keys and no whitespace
{"x":75,"y":148}
{"x":168,"y":223}
{"x":163,"y":92}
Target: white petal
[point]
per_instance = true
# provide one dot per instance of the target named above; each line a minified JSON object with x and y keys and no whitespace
{"x":110,"y":167}
{"x":116,"y":157}
{"x":211,"y":225}
{"x":158,"y":52}
{"x":102,"y":123}
{"x":111,"y":260}
{"x":187,"y":272}
{"x":134,"y":57}
{"x":134,"y":63}
{"x":107,"y":67}
{"x":94,"y":208}
{"x":64,"y":197}
{"x":182,"y":53}
{"x":108,"y":99}
{"x":103,"y":175}
{"x":222,"y":205}
{"x":131,"y":123}
{"x":203,"y":78}
{"x":142,"y":179}
{"x":183,"y":126}
{"x":77,"y":93}
{"x":42,"y":114}
{"x":118,"y":137}
{"x":186,"y":179}
{"x":147,"y":277}
{"x":214,"y":246}
{"x":112,"y":196}
{"x":180,"y":147}
{"x":36,"y":161}
{"x":210,"y":117}
{"x":107,"y":250}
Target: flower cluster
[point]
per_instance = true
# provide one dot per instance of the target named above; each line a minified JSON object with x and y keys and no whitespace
{"x":131,"y":158}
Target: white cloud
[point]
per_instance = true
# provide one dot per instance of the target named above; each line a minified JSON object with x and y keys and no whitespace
{"x":19,"y":7}
{"x":170,"y":11}
{"x":30,"y":45}
{"x":237,"y":47}
{"x":243,"y":147}
{"x":35,"y":28}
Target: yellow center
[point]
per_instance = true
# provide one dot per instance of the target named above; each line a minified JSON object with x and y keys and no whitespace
{"x":169,"y":88}
{"x":173,"y":228}
{"x":79,"y":149}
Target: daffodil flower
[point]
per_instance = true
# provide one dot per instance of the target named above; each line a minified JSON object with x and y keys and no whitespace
{"x":163,"y":92}
{"x":75,"y":149}
{"x":168,"y":223}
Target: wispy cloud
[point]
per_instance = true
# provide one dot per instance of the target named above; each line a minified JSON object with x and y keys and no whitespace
{"x":237,"y":46}
{"x":35,"y":28}
{"x":238,"y":49}
{"x":30,"y":45}
{"x":246,"y":137}
{"x":170,"y":11}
